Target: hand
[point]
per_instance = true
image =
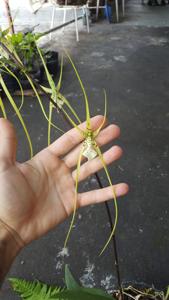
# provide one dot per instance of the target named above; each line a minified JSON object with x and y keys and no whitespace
{"x":37,"y":195}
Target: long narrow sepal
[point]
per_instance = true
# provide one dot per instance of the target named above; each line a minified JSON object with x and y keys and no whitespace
{"x":114,"y":198}
{"x":84,"y":92}
{"x":105,"y":114}
{"x":76,"y":195}
{"x":49,"y":123}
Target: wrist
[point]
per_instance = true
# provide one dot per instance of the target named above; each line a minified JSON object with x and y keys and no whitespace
{"x":10,"y":245}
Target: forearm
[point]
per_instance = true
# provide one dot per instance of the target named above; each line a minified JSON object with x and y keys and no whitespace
{"x":10,"y":246}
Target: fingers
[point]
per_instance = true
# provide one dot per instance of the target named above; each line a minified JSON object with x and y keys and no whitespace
{"x":105,"y":136}
{"x":8,"y":141}
{"x":72,"y":138}
{"x":101,"y":195}
{"x":94,"y":165}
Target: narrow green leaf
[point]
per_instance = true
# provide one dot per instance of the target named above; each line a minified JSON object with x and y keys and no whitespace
{"x":11,"y":100}
{"x":20,"y":86}
{"x":49,"y":77}
{"x":3,"y":109}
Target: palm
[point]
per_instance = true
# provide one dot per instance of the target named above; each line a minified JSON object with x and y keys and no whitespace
{"x":51,"y":192}
{"x":39,"y":194}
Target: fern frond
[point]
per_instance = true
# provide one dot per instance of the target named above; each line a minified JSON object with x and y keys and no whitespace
{"x":34,"y":290}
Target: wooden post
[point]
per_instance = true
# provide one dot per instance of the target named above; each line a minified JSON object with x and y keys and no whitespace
{"x":9,"y":16}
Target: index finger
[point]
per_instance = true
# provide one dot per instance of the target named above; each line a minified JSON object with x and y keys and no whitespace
{"x":73,"y":137}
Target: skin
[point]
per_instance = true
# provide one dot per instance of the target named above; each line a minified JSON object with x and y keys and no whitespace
{"x":37,"y":195}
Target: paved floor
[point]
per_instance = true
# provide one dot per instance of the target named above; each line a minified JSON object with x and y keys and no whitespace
{"x":144,"y":15}
{"x":131,"y":61}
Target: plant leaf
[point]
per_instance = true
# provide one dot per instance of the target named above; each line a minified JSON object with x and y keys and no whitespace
{"x":11,"y":100}
{"x":20,"y":86}
{"x":71,"y":283}
{"x":3,"y":109}
{"x":80,"y":294}
{"x":95,"y":291}
{"x":49,"y":77}
{"x":34,"y":290}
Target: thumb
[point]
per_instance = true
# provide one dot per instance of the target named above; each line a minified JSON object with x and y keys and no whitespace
{"x":8,"y":141}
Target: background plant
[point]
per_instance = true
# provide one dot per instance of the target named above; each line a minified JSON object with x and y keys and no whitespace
{"x":74,"y":291}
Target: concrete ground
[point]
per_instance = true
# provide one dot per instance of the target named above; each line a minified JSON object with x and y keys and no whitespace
{"x":130,"y":60}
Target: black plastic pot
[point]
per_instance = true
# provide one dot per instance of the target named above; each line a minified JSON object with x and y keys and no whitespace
{"x":38,"y":73}
{"x":52,"y":61}
{"x":10,"y":81}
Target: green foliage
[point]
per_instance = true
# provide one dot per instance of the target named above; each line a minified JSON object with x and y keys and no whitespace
{"x":25,"y":46}
{"x":34,"y":290}
{"x":73,"y":291}
{"x":12,"y":60}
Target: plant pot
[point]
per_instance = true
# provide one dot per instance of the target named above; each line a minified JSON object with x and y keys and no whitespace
{"x":10,"y":81}
{"x":52,"y":62}
{"x":37,"y":73}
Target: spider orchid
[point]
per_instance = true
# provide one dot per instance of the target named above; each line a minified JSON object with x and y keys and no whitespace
{"x":90,"y":150}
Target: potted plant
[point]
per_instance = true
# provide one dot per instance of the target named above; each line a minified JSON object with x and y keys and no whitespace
{"x":25,"y":47}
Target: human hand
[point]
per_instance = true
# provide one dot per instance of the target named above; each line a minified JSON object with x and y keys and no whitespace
{"x":39,"y":194}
